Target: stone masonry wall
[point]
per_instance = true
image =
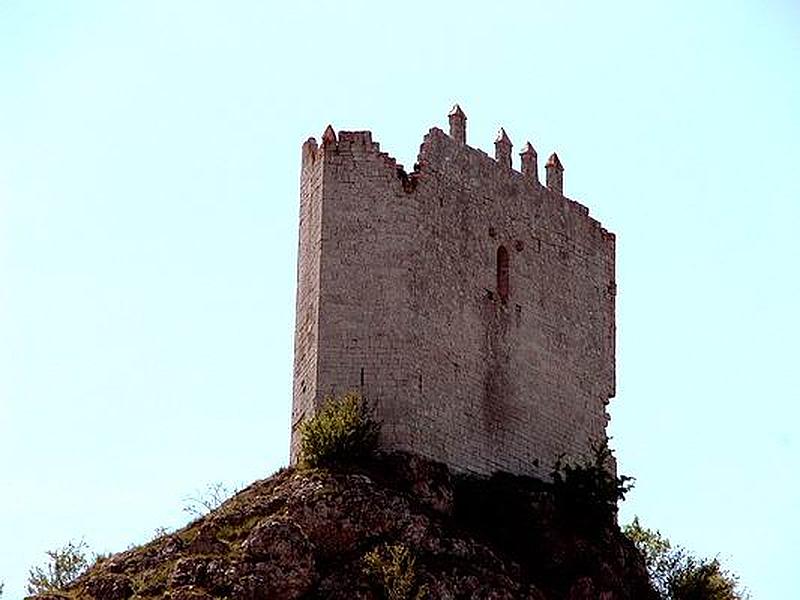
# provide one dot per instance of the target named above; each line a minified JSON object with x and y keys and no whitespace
{"x":398,"y":297}
{"x":308,"y":272}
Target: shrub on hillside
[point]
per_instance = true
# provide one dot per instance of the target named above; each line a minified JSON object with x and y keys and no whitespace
{"x":211,"y":499}
{"x":393,"y":567}
{"x":343,"y":430}
{"x":678,"y":575}
{"x":63,"y":567}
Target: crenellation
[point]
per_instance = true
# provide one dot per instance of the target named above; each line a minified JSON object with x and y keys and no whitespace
{"x":458,"y":124}
{"x":329,"y":136}
{"x":502,"y":149}
{"x":555,"y":174}
{"x":309,"y":152}
{"x":363,"y":138}
{"x":528,"y":163}
{"x":485,"y":364}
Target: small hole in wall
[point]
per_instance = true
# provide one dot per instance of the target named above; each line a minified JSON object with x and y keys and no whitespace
{"x":441,"y":202}
{"x":362,"y":376}
{"x":420,"y":382}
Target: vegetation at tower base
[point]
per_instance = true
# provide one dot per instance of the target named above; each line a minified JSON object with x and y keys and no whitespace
{"x":343,"y":431}
{"x":309,"y":533}
{"x":587,"y":491}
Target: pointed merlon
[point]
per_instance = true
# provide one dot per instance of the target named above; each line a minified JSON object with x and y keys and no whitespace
{"x":502,"y":149}
{"x":502,"y":137}
{"x":329,"y":137}
{"x":554,"y":161}
{"x":457,"y":112}
{"x":530,"y":168}
{"x":555,"y":174}
{"x":458,"y":124}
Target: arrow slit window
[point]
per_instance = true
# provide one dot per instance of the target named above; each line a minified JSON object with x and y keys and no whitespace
{"x":502,"y":273}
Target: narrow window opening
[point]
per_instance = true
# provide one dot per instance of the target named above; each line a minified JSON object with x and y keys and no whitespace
{"x":362,"y":377}
{"x":502,"y":273}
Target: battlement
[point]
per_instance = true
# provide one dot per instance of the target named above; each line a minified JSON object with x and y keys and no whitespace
{"x":350,"y":143}
{"x":471,"y":303}
{"x":464,"y":158}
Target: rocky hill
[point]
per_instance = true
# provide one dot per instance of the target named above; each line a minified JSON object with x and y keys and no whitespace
{"x":398,"y":527}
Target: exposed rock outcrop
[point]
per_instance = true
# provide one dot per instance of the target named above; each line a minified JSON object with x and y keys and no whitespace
{"x":303,"y":534}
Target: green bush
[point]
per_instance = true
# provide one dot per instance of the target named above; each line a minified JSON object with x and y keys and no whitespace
{"x":678,"y":575}
{"x":63,"y":567}
{"x":588,"y":491}
{"x":705,"y":579}
{"x":393,"y":566}
{"x":344,"y":430}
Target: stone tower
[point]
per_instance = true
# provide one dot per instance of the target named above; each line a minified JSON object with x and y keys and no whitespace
{"x":472,"y":305}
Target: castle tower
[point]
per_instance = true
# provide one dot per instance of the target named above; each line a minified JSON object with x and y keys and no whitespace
{"x":475,"y":310}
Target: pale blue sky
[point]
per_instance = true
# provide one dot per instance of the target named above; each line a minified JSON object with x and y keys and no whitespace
{"x":149,"y":156}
